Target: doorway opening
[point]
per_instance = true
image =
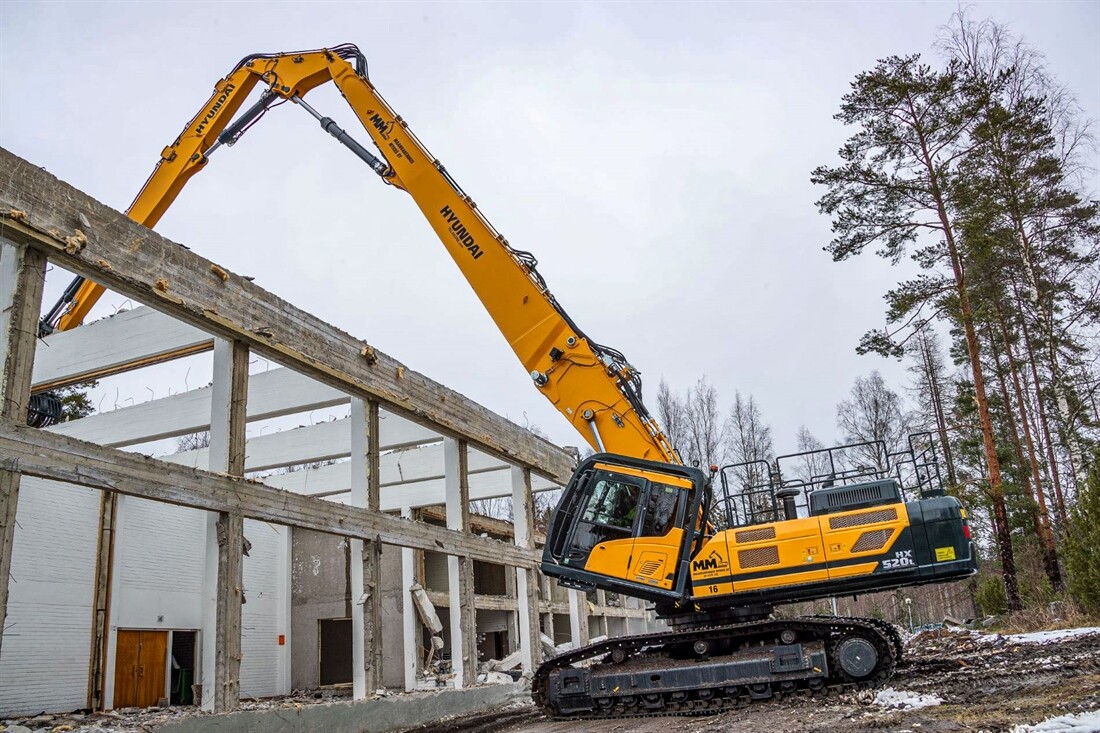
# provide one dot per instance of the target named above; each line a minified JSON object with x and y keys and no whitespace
{"x":183,"y":667}
{"x":334,"y":651}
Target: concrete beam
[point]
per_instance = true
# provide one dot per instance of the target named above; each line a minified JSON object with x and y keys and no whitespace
{"x":58,"y":457}
{"x":335,"y":480}
{"x":155,"y":270}
{"x":325,"y":441}
{"x":272,"y":393}
{"x":125,"y":341}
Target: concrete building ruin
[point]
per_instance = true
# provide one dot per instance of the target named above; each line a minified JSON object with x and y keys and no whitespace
{"x":118,"y":570}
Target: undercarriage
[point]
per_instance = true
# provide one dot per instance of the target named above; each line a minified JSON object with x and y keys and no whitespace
{"x":710,"y":668}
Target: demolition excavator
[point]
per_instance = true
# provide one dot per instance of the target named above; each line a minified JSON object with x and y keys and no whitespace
{"x":715,"y":551}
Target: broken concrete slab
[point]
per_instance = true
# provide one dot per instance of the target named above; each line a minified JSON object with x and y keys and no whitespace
{"x":425,"y":609}
{"x":362,"y":716}
{"x":509,"y":662}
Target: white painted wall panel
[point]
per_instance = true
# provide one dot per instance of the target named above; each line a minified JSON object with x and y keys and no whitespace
{"x":48,"y":638}
{"x":261,"y":617}
{"x":159,"y":565}
{"x":160,"y":584}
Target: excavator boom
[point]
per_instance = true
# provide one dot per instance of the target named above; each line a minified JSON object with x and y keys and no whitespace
{"x":593,"y":386}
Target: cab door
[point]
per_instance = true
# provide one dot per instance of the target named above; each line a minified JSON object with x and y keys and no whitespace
{"x":655,"y":552}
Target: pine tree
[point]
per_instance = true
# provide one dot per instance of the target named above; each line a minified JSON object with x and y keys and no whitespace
{"x":894,"y":189}
{"x":1082,"y":539}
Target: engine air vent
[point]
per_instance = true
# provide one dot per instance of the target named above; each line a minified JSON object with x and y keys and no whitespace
{"x":858,"y":520}
{"x":649,"y":567}
{"x":755,"y":535}
{"x":856,"y":496}
{"x":874,"y":539}
{"x":758,"y":557}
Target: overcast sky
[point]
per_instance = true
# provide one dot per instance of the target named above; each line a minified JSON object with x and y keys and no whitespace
{"x":654,"y":156}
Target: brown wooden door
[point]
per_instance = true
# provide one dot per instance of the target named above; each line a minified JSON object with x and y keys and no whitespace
{"x":139,"y":668}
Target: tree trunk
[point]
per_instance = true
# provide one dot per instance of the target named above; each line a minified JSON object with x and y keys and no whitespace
{"x":1030,"y":483}
{"x":1045,"y":319}
{"x":1044,"y":426}
{"x":1047,"y":537}
{"x":937,"y":407}
{"x":966,"y":316}
{"x":1059,"y":502}
{"x":996,"y":489}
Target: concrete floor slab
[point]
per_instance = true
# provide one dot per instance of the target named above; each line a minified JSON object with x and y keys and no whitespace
{"x":363,"y":716}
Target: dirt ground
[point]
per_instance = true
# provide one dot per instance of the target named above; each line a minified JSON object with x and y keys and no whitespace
{"x":986,"y":683}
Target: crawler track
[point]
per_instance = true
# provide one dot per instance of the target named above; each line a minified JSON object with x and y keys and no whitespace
{"x":708,"y":670}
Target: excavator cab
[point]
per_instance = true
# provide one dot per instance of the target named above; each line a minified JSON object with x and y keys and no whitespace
{"x":627,"y":525}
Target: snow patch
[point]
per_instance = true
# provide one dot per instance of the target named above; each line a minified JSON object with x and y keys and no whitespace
{"x":1076,"y":723}
{"x":902,"y":700}
{"x":1043,"y":637}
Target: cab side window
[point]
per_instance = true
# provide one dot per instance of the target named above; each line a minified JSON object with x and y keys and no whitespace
{"x":660,"y":515}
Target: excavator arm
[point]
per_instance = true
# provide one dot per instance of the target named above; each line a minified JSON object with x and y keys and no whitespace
{"x":593,"y":386}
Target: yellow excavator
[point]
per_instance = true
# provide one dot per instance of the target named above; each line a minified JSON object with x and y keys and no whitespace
{"x":714,"y":552}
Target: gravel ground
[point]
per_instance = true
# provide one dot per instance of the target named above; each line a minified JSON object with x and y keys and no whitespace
{"x":948,"y":682}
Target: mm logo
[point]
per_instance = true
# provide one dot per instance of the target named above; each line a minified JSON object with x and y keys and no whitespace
{"x":384,"y":128}
{"x":711,"y":562}
{"x":213,"y":111}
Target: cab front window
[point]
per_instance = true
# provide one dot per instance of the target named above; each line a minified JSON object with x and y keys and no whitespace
{"x":613,"y":504}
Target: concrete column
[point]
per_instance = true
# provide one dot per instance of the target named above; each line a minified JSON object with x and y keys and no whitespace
{"x":112,"y":609}
{"x":366,"y":561}
{"x":22,"y":272}
{"x":286,"y":583}
{"x":601,"y":609}
{"x":224,"y":569}
{"x":527,"y":597}
{"x":512,"y":618}
{"x":547,"y":595}
{"x":410,"y":643}
{"x":578,"y":618}
{"x":460,"y":571}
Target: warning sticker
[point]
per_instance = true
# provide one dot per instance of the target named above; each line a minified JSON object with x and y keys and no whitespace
{"x":945,"y":553}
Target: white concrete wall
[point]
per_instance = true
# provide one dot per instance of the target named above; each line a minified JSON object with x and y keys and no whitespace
{"x":159,"y":561}
{"x":263,"y":615}
{"x":157,"y":585}
{"x":159,"y":565}
{"x":47,"y":642}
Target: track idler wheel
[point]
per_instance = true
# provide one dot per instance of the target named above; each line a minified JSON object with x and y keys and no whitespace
{"x":856,"y":657}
